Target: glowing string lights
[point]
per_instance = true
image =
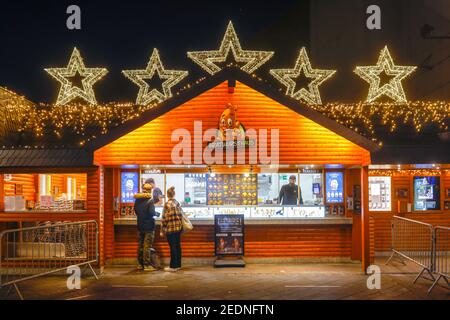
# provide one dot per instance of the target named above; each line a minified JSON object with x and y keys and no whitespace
{"x":154,"y":66}
{"x":208,"y":59}
{"x":287,"y":77}
{"x":68,"y":91}
{"x":393,"y":88}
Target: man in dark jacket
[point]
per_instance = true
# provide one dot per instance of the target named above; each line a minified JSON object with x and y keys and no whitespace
{"x":145,"y":212}
{"x":289,"y":193}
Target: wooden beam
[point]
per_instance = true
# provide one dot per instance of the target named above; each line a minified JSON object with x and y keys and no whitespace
{"x":365,"y":236}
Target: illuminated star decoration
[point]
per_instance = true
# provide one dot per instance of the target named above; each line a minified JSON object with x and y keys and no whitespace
{"x":287,"y":77}
{"x":146,"y":94}
{"x":208,"y":59}
{"x":393,"y":88}
{"x":68,"y":91}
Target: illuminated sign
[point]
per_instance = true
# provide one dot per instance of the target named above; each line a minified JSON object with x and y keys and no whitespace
{"x":129,"y":186}
{"x":335,"y":187}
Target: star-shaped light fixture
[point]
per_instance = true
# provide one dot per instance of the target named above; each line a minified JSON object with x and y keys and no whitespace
{"x":208,"y":59}
{"x":318,"y":76}
{"x":149,"y":95}
{"x":89,"y":76}
{"x":393,"y":88}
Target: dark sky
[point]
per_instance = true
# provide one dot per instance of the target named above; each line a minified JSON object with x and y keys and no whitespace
{"x":121,"y":34}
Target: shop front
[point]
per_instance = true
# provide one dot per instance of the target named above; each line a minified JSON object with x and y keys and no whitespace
{"x":231,"y":146}
{"x":320,"y":222}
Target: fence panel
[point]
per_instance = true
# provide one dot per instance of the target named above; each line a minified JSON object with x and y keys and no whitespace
{"x":28,"y":253}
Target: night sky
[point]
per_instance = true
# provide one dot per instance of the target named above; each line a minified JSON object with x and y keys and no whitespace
{"x":121,"y":35}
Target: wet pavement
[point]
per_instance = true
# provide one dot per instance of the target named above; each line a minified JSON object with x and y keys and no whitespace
{"x":255,"y":281}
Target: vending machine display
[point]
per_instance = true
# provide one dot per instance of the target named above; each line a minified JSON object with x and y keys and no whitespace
{"x":334,"y":187}
{"x":427,"y":193}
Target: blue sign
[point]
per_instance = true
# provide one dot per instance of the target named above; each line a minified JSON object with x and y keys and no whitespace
{"x":129,"y":186}
{"x":335,"y":187}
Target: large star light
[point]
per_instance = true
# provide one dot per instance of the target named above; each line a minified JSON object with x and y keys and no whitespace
{"x":251,"y":60}
{"x":76,"y":67}
{"x":393,"y":88}
{"x":149,"y":95}
{"x":287,"y":77}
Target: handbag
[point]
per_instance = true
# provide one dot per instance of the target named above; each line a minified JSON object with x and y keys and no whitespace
{"x":186,"y":223}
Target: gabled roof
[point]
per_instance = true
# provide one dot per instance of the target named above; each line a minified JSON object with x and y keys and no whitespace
{"x":232,"y":75}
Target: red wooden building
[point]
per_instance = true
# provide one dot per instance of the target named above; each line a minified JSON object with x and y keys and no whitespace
{"x":351,"y":222}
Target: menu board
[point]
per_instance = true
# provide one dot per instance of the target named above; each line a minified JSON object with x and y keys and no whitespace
{"x":380,"y":193}
{"x":229,"y":234}
{"x":335,"y":187}
{"x":129,"y":186}
{"x":232,"y":189}
{"x":426,"y":193}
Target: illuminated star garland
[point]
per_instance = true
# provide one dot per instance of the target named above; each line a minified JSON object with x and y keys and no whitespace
{"x":393,"y":88}
{"x":68,"y":91}
{"x":360,"y":116}
{"x":149,"y":95}
{"x":208,"y":59}
{"x":287,"y":77}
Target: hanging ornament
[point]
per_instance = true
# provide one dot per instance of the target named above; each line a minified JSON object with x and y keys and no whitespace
{"x":149,"y":95}
{"x":208,"y":59}
{"x":76,"y":67}
{"x":287,"y":77}
{"x":393,"y":89}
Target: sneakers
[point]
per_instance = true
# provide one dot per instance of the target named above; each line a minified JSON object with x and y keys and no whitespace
{"x":149,"y":268}
{"x":140,"y":267}
{"x":168,"y":269}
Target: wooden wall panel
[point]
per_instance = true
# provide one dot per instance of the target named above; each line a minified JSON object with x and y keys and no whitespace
{"x":382,"y":220}
{"x":28,"y":181}
{"x":109,"y":214}
{"x":260,"y":241}
{"x":302,"y":141}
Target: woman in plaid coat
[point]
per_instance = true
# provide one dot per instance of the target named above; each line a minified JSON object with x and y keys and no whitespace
{"x":172,"y":226}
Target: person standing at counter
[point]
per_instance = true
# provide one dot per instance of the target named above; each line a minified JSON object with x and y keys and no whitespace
{"x":289,"y":193}
{"x":171,"y":226}
{"x":157,"y":193}
{"x":145,"y":212}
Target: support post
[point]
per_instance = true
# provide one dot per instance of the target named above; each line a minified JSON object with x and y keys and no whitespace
{"x":365,"y":237}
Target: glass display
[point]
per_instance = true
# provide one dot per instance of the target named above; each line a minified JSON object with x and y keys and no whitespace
{"x":268,"y":188}
{"x":334,"y":187}
{"x":194,"y":189}
{"x":311,"y":188}
{"x":380,"y":193}
{"x":129,"y":186}
{"x":283,"y":179}
{"x":175,"y":180}
{"x":427,"y":193}
{"x":232,"y":189}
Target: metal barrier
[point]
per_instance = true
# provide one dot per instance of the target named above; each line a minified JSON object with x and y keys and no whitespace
{"x":441,"y":261}
{"x":413,"y":240}
{"x":29,"y":253}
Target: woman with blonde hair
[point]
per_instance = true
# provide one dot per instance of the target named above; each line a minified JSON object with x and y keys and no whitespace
{"x":171,"y":226}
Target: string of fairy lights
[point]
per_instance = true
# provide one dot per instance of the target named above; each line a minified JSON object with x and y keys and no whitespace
{"x":69,"y":113}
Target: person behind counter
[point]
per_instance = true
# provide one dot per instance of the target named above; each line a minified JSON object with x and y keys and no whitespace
{"x":158,"y":196}
{"x":171,"y":226}
{"x":145,"y":212}
{"x":289,"y":193}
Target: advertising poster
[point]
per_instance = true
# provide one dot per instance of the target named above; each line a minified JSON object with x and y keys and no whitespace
{"x":335,"y":187}
{"x":229,"y":234}
{"x":129,"y":186}
{"x":426,"y":193}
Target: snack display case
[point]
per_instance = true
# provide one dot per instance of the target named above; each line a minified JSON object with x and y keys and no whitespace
{"x":232,"y":189}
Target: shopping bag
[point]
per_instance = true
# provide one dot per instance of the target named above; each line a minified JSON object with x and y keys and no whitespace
{"x":187,"y":225}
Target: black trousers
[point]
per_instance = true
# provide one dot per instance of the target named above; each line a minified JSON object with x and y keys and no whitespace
{"x":174,"y":239}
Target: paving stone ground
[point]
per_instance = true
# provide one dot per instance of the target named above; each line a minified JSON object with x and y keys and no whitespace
{"x":340,"y":281}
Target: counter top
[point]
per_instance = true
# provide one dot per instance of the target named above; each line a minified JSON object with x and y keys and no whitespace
{"x":256,"y":221}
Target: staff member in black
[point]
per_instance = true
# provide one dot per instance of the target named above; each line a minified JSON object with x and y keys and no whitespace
{"x":289,"y":193}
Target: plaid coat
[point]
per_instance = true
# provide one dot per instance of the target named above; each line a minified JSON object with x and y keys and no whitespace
{"x":172,"y":217}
